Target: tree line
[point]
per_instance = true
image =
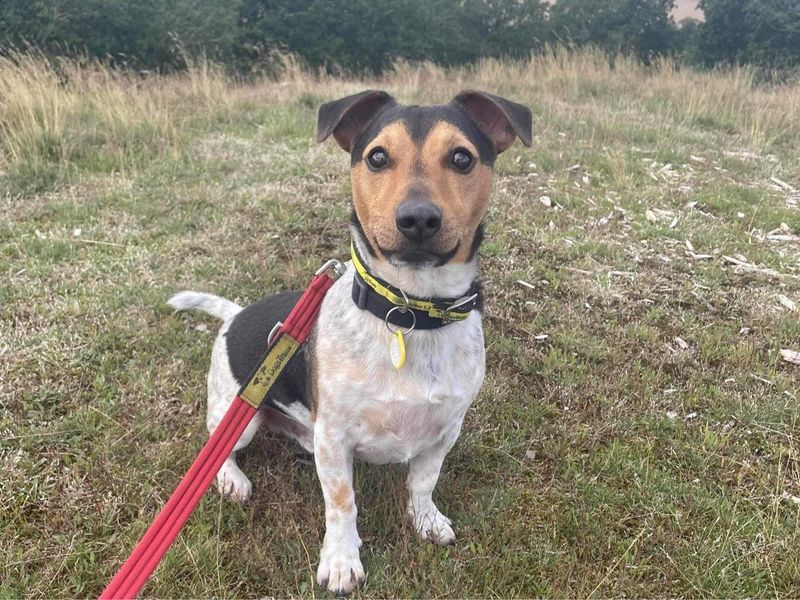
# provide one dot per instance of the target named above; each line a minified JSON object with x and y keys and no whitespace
{"x":368,"y":35}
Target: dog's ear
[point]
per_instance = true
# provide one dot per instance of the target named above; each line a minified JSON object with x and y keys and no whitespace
{"x":500,"y":119}
{"x":347,"y":117}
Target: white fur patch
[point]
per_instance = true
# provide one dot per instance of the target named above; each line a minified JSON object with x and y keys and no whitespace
{"x":366,"y":407}
{"x":369,"y":409}
{"x":209,"y":303}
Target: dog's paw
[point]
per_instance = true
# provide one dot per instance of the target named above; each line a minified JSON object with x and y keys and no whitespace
{"x":233,"y":484}
{"x":340,"y":572}
{"x":433,"y":526}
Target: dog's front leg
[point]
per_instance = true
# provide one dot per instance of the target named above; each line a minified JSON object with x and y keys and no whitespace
{"x":423,"y":473}
{"x":340,"y":567}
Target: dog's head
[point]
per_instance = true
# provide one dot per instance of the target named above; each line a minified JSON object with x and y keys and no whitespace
{"x":422,"y":175}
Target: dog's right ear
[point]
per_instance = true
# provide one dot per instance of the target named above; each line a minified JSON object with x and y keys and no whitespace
{"x":347,"y":117}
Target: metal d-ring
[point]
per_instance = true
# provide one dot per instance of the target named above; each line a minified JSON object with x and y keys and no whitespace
{"x":403,"y":310}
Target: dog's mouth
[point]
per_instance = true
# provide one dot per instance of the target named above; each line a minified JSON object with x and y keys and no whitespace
{"x":418,"y":258}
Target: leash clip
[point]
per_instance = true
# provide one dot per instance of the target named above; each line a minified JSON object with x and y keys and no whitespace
{"x":275,"y":330}
{"x":457,"y":304}
{"x":333,"y":268}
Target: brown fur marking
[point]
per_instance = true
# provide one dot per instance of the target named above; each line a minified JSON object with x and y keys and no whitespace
{"x":340,"y":496}
{"x":321,"y":454}
{"x":462,"y":198}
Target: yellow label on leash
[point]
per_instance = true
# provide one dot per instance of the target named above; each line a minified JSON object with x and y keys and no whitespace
{"x":397,"y":349}
{"x":274,"y":362}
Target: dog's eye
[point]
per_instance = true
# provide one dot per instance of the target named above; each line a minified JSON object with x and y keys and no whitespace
{"x":461,"y":159}
{"x":377,"y":159}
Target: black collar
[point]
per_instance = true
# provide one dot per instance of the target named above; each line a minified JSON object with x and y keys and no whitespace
{"x":394,"y":306}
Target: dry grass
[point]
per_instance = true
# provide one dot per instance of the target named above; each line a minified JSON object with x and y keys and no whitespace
{"x":51,"y":110}
{"x":637,"y":434}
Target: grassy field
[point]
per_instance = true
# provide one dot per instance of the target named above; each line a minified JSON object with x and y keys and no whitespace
{"x":637,"y":434}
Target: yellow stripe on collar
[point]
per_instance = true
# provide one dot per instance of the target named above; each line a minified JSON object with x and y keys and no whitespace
{"x":422,"y":305}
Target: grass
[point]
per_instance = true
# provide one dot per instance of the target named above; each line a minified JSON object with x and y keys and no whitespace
{"x":637,"y":434}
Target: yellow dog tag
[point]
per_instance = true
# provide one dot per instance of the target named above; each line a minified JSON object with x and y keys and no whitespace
{"x":397,"y":349}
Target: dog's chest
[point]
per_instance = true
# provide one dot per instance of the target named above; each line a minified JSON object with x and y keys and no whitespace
{"x":401,"y":414}
{"x":388,"y":414}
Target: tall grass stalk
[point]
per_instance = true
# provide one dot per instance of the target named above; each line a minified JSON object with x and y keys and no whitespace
{"x":61,"y":113}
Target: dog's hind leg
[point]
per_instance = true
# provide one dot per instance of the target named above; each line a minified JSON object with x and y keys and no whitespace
{"x":222,"y":387}
{"x":277,"y":422}
{"x":231,"y":480}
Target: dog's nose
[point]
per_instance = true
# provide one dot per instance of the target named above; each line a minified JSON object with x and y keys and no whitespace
{"x":418,"y":220}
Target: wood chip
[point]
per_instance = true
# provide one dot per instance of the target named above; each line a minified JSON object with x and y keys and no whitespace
{"x":787,"y":302}
{"x":761,"y":379}
{"x":787,"y":497}
{"x":742,"y":264}
{"x":526,"y":284}
{"x":782,"y":184}
{"x":791,"y":356}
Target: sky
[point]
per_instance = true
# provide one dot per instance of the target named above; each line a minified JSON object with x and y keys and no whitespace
{"x":686,"y":8}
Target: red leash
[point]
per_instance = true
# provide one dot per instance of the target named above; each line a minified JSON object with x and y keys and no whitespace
{"x":283,"y":344}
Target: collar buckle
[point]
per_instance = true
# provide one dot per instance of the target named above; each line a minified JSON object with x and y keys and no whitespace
{"x":455,"y":305}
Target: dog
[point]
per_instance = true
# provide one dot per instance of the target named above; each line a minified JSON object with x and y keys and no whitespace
{"x":397,"y":354}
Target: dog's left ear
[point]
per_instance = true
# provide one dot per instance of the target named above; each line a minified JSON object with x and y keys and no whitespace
{"x":500,"y":119}
{"x":347,"y":117}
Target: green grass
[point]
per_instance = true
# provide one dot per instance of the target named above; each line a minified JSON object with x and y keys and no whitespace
{"x":601,"y":460}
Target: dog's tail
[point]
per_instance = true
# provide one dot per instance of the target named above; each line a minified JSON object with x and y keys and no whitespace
{"x":208,"y":303}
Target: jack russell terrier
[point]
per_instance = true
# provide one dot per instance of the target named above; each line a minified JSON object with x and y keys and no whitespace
{"x":397,"y":354}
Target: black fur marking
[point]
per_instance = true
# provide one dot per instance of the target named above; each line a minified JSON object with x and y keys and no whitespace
{"x":247,"y":340}
{"x":420,"y":120}
{"x":478,"y":287}
{"x":359,"y":230}
{"x":419,"y":258}
{"x":477,"y":240}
